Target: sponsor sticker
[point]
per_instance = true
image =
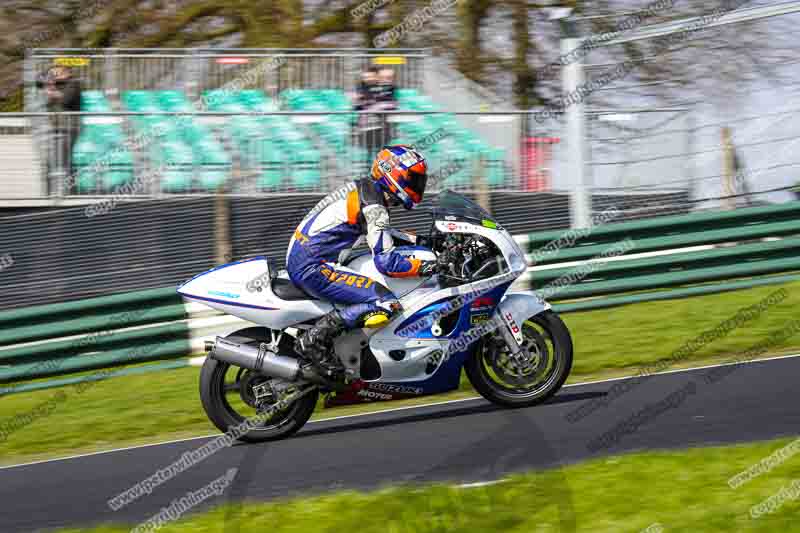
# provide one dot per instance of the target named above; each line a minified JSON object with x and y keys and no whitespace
{"x":477,"y":318}
{"x":71,"y":61}
{"x":224,"y":294}
{"x":389,"y":60}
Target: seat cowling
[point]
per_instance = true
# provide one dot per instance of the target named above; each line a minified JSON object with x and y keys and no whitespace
{"x":284,"y":289}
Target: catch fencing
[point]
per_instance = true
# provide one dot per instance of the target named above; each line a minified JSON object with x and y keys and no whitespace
{"x":194,"y":70}
{"x":706,"y":104}
{"x":157,"y":153}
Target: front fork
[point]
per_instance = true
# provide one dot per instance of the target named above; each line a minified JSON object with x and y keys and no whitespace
{"x":514,"y":309}
{"x":511,"y":332}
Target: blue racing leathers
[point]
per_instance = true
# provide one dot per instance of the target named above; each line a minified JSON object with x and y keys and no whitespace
{"x":338,"y":223}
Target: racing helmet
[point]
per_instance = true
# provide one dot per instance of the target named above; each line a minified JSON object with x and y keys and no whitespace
{"x":402,"y":173}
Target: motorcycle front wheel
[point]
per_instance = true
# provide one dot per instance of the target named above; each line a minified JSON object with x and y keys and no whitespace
{"x":228,"y":400}
{"x":525,"y":380}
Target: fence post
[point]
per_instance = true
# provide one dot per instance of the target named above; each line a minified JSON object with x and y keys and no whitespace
{"x":728,"y":188}
{"x":480,"y":183}
{"x":222,"y":234}
{"x":572,"y":78}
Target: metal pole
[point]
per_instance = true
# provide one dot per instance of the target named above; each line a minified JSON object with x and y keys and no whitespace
{"x":572,"y":78}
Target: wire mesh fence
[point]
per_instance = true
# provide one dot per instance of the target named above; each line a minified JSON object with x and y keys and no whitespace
{"x":113,"y":71}
{"x":138,"y":153}
{"x":704,"y":107}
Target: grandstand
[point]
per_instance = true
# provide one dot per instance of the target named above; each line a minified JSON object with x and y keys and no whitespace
{"x":176,"y":122}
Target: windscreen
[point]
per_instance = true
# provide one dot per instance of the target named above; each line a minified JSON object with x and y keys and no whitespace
{"x":453,"y":204}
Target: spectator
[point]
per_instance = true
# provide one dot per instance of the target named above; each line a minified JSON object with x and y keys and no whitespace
{"x":63,"y":93}
{"x":375,"y":93}
{"x":385,"y":92}
{"x":365,"y":93}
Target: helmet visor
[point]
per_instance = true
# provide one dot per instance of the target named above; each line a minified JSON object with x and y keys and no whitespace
{"x":416,"y":185}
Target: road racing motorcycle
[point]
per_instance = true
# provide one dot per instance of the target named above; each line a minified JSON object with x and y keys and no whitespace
{"x":513,"y":348}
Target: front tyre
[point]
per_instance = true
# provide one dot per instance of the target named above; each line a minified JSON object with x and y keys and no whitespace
{"x":227,"y":397}
{"x":527,"y":380}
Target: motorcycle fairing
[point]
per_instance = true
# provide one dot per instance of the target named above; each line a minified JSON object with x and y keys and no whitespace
{"x":243,"y":289}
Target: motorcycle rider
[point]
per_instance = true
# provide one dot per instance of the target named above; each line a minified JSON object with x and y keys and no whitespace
{"x":341,"y":221}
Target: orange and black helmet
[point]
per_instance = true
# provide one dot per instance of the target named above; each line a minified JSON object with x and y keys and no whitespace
{"x":401,"y":172}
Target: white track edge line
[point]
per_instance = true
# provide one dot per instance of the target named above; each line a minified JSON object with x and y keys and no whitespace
{"x":396,"y":409}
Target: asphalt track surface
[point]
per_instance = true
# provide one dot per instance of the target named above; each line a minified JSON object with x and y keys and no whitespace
{"x":460,"y":442}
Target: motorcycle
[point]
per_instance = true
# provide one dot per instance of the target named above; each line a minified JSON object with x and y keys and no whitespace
{"x":514,"y":349}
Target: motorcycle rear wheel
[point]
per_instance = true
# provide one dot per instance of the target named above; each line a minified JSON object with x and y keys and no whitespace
{"x":228,"y":407}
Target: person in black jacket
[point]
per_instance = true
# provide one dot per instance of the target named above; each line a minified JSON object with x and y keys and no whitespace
{"x":63,"y":92}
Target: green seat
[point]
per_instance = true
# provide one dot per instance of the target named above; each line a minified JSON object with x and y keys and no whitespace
{"x":306,"y":177}
{"x":195,"y":134}
{"x":135,"y":100}
{"x":270,"y":160}
{"x":359,"y":160}
{"x":211,"y":179}
{"x":176,"y":180}
{"x":495,"y":167}
{"x":460,"y":179}
{"x":404,"y":94}
{"x":217,"y":99}
{"x":179,"y":162}
{"x":107,"y":134}
{"x":170,"y":99}
{"x":304,"y":165}
{"x":120,"y":171}
{"x":85,"y":153}
{"x":251,"y":97}
{"x":213,"y":163}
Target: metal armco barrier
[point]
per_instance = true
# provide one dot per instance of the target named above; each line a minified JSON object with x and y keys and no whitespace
{"x":144,"y":326}
{"x":667,"y":252}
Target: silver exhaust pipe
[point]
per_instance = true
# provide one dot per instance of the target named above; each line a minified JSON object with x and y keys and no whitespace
{"x":255,"y":358}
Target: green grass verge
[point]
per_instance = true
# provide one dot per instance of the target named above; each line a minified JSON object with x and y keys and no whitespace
{"x":683,"y":490}
{"x":162,"y":406}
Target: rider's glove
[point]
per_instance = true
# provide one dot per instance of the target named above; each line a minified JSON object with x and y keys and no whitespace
{"x":428,"y":269}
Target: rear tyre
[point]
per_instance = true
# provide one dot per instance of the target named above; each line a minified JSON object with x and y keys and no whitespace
{"x":225,"y":391}
{"x":500,"y":380}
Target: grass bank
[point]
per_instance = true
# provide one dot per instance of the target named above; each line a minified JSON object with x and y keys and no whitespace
{"x":683,"y":490}
{"x":163,"y":406}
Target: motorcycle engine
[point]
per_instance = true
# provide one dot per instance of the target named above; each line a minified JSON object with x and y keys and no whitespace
{"x":466,"y":258}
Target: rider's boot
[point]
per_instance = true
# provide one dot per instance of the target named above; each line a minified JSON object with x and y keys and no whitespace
{"x":313,"y":342}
